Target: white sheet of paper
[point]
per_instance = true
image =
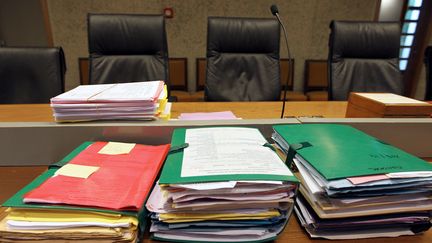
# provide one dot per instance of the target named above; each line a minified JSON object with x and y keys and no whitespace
{"x":351,"y":235}
{"x":262,"y":182}
{"x":135,"y":91}
{"x":236,"y":190}
{"x":36,"y":225}
{"x":414,"y":174}
{"x":131,"y":91}
{"x":234,"y":197}
{"x":310,"y":183}
{"x":82,"y":92}
{"x":227,"y":151}
{"x":391,"y":98}
{"x":208,"y":185}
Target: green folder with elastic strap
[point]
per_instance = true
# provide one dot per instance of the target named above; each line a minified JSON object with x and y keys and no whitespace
{"x":340,"y":151}
{"x":171,"y":172}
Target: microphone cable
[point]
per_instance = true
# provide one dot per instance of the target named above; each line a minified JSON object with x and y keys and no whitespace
{"x":274,"y":10}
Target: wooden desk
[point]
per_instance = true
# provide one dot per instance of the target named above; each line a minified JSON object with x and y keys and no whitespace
{"x":245,"y":110}
{"x":13,"y":179}
{"x":261,"y":110}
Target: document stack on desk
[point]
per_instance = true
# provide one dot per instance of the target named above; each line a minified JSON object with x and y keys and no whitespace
{"x":121,"y":101}
{"x":221,"y":185}
{"x":96,"y":193}
{"x":355,"y":186}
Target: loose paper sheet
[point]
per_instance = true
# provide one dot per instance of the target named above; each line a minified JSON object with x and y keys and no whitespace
{"x":364,"y":179}
{"x":391,"y":98}
{"x":74,"y":170}
{"x":227,"y":151}
{"x":208,"y":185}
{"x":132,"y":91}
{"x":83,"y":92}
{"x":114,"y":148}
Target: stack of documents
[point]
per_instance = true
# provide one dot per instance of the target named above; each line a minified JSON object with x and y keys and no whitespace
{"x":355,"y":186}
{"x":130,"y":101}
{"x":96,"y":193}
{"x":221,"y":185}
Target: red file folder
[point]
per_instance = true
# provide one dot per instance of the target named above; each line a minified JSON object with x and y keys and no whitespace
{"x":122,"y":182}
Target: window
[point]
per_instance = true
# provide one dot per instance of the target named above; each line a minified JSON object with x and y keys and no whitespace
{"x":409,"y":27}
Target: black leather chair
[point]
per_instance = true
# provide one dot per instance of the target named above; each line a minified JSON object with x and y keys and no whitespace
{"x":31,"y":75}
{"x":363,"y":57}
{"x":242,"y":60}
{"x":127,"y":48}
{"x":428,"y":63}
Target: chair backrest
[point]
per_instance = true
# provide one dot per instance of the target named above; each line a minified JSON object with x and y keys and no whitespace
{"x":127,"y":48}
{"x":31,"y":75}
{"x":364,"y":57}
{"x":177,"y":75}
{"x":285,"y":70}
{"x":242,"y":59}
{"x":428,"y":63}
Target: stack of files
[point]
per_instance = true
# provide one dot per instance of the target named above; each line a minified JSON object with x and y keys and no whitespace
{"x":354,"y":185}
{"x":221,"y":185}
{"x":96,"y":193}
{"x":120,"y":101}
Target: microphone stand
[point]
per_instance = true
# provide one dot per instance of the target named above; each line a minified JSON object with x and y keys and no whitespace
{"x":290,"y":76}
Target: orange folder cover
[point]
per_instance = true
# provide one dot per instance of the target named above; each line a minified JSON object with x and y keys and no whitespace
{"x":122,"y":182}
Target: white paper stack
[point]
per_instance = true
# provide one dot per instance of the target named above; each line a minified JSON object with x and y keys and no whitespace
{"x":137,"y":100}
{"x":229,"y":211}
{"x":353,"y":185}
{"x":226,"y":184}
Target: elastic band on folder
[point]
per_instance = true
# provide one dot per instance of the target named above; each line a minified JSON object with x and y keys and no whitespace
{"x":178,"y":148}
{"x":269,"y":146}
{"x":380,"y":141}
{"x":292,"y":151}
{"x":57,"y":164}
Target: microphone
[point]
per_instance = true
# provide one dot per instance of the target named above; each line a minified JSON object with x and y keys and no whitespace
{"x":275,"y":11}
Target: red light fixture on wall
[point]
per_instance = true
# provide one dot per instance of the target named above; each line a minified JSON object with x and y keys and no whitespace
{"x":168,"y":12}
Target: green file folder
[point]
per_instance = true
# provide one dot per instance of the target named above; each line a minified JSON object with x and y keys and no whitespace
{"x":340,"y":151}
{"x":171,"y":172}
